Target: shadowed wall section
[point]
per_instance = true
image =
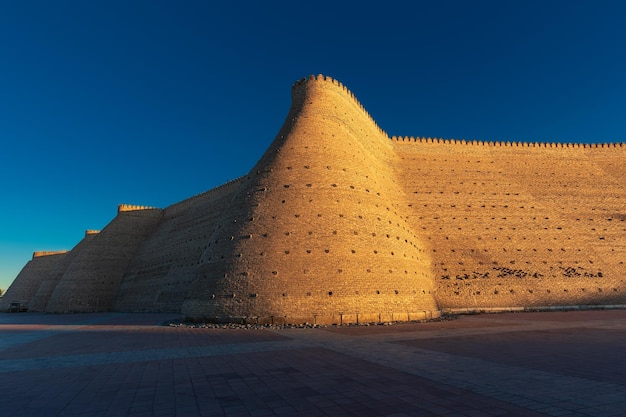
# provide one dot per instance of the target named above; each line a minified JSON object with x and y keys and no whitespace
{"x":317,"y":231}
{"x":30,"y":278}
{"x":41,"y":297}
{"x":519,"y":225}
{"x":91,"y":281}
{"x":159,"y":276}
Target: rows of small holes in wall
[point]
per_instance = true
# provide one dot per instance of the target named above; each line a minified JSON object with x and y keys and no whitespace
{"x":312,"y":228}
{"x":319,"y":217}
{"x":510,"y":292}
{"x":495,"y":240}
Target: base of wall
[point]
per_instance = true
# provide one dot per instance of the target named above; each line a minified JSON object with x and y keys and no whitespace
{"x":478,"y":310}
{"x":324,"y":320}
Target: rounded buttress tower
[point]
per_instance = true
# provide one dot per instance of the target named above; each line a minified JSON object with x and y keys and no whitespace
{"x":317,"y":232}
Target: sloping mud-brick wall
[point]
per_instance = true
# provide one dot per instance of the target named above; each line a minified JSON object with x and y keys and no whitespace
{"x":30,"y":278}
{"x":91,"y":281}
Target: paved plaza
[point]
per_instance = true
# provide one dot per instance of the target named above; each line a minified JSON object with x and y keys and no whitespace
{"x":116,"y":364}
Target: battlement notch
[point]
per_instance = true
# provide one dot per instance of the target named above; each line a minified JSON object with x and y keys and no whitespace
{"x":320,"y":78}
{"x":131,"y":207}
{"x":523,"y":144}
{"x":41,"y":253}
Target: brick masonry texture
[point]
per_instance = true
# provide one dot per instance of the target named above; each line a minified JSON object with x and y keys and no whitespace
{"x":30,"y":278}
{"x":339,"y":223}
{"x":159,"y":276}
{"x":49,"y":283}
{"x":91,"y":281}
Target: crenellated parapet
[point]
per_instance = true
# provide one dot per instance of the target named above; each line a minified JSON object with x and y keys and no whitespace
{"x":129,"y":207}
{"x":320,"y":78}
{"x":213,"y":192}
{"x":340,"y":87}
{"x":407,"y":139}
{"x":39,"y":254}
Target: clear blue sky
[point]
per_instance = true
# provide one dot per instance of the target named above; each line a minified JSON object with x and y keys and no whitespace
{"x":150,"y":102}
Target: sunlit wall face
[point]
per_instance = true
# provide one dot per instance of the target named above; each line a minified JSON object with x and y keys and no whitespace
{"x":147,"y":105}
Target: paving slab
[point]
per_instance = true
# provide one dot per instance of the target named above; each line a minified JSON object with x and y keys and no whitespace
{"x":117,"y":364}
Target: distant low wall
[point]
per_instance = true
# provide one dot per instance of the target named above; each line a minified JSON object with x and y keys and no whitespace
{"x":92,"y":280}
{"x":40,"y":299}
{"x":30,"y":278}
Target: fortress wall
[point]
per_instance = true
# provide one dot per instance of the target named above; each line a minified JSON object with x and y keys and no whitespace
{"x":317,"y":232}
{"x":29,"y":279}
{"x":91,"y":281}
{"x":338,"y":223}
{"x":519,"y":225}
{"x":158,"y":277}
{"x":52,"y":278}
